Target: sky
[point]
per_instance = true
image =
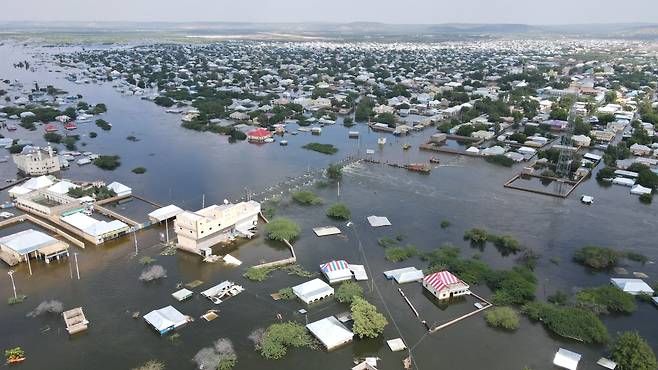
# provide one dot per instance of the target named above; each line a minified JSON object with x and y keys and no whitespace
{"x":339,"y":11}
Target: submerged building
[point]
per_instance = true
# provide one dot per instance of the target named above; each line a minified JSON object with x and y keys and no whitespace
{"x":34,"y":161}
{"x":200,"y":230}
{"x":444,"y":285}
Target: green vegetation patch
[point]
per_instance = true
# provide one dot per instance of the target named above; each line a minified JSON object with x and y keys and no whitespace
{"x":281,"y":229}
{"x":339,"y":211}
{"x":321,"y":148}
{"x":368,"y":322}
{"x":307,"y":198}
{"x":569,"y":322}
{"x":502,"y":317}
{"x":348,"y":291}
{"x":279,"y":337}
{"x":605,"y":299}
{"x":107,"y":162}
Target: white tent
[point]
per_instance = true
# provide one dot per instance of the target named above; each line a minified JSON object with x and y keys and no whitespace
{"x":121,"y":189}
{"x":331,"y":332}
{"x":640,"y":190}
{"x":607,"y":363}
{"x":18,"y":190}
{"x":359,"y":272}
{"x":632,"y":286}
{"x":566,"y":359}
{"x":313,"y":290}
{"x":62,"y":187}
{"x":165,"y":319}
{"x":164,"y":213}
{"x":336,"y":271}
{"x":405,"y":275}
{"x":38,"y":183}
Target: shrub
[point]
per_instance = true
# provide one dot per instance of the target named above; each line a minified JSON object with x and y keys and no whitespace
{"x":386,"y":242}
{"x":151,"y":365}
{"x":569,"y":322}
{"x":92,"y":134}
{"x":506,"y":244}
{"x":258,"y":273}
{"x":103,"y":124}
{"x":163,"y":101}
{"x":368,"y":322}
{"x":348,"y":291}
{"x":146,"y":260}
{"x":445,"y":224}
{"x":305,"y":197}
{"x":500,"y":159}
{"x":107,"y":162}
{"x":279,"y":337}
{"x":287,"y":294}
{"x":476,"y":236}
{"x":132,"y":138}
{"x":16,"y":300}
{"x":52,"y":137}
{"x":596,"y":257}
{"x":605,"y":299}
{"x":334,"y":172}
{"x":339,"y":211}
{"x":399,"y":254}
{"x":632,"y":352}
{"x":282,"y":229}
{"x":321,"y":148}
{"x":139,"y":170}
{"x":559,"y":298}
{"x":512,"y":287}
{"x":637,"y":257}
{"x":502,"y":317}
{"x":646,"y":198}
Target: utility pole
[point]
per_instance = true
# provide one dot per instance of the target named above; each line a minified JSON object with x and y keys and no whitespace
{"x":135,"y":239}
{"x":167,"y":230}
{"x":203,"y":201}
{"x":11,"y":276}
{"x":338,"y":190}
{"x":77,"y":268}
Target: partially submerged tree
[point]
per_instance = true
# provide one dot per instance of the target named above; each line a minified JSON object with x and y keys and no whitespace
{"x":368,"y":322}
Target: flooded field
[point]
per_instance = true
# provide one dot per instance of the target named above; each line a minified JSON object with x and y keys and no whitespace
{"x":184,"y":165}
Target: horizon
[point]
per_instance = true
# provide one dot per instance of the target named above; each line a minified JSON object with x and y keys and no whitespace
{"x":414,"y":12}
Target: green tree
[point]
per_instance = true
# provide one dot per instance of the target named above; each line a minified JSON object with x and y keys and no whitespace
{"x":281,"y":229}
{"x":502,"y":317}
{"x":368,"y":322}
{"x":596,"y":257}
{"x":632,"y":352}
{"x":348,"y":292}
{"x":334,"y":172}
{"x":605,"y":299}
{"x":279,"y":337}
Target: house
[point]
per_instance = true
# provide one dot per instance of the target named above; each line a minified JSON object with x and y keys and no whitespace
{"x":482,"y":134}
{"x":330,"y":332}
{"x":94,"y":230}
{"x":313,"y":291}
{"x":445,"y":285}
{"x":37,"y":161}
{"x":165,"y":319}
{"x":200,"y":230}
{"x":121,"y":189}
{"x":623,"y":181}
{"x":566,"y":359}
{"x":30,"y":243}
{"x":632,"y":286}
{"x":640,"y":190}
{"x":259,"y":135}
{"x":494,"y":150}
{"x":639,"y":149}
{"x":603,"y":135}
{"x":336,"y":271}
{"x":62,"y":187}
{"x":581,"y":140}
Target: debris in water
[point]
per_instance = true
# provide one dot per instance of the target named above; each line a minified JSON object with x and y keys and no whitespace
{"x":153,"y":273}
{"x":51,"y":306}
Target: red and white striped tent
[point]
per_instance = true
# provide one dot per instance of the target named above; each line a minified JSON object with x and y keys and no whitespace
{"x":443,"y":284}
{"x":337,"y":270}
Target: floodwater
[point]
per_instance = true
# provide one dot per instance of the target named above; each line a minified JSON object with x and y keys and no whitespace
{"x":183,"y":165}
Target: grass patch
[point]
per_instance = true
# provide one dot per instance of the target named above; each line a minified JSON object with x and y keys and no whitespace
{"x":307,"y":198}
{"x":139,"y":170}
{"x":399,"y":254}
{"x":339,"y":211}
{"x":282,"y":229}
{"x":569,"y":322}
{"x":107,"y":162}
{"x":287,"y":294}
{"x":502,"y":318}
{"x":103,"y":124}
{"x":598,"y":258}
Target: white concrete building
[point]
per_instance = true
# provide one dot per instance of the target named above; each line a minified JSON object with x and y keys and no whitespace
{"x":200,"y":230}
{"x":444,"y":285}
{"x":37,"y":161}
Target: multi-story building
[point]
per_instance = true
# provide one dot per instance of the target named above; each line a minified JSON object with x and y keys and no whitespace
{"x":37,"y":161}
{"x":200,"y":230}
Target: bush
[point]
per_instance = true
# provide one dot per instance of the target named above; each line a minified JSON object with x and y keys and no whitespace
{"x":445,"y":224}
{"x":399,"y":254}
{"x":502,"y":317}
{"x":151,"y":365}
{"x":20,"y":298}
{"x":287,"y":294}
{"x":321,"y":148}
{"x":646,"y":198}
{"x":334,"y":172}
{"x":348,"y":291}
{"x":52,"y":137}
{"x":386,"y":242}
{"x":92,"y":134}
{"x":512,"y":287}
{"x":132,"y":138}
{"x":107,"y":162}
{"x":164,"y":101}
{"x":637,"y":257}
{"x":632,"y":352}
{"x":139,"y":170}
{"x":103,"y":124}
{"x":279,"y":337}
{"x":368,"y":322}
{"x":258,"y":273}
{"x":568,"y":322}
{"x":339,"y":211}
{"x":559,"y":298}
{"x":598,"y":258}
{"x":305,"y":197}
{"x":500,"y":159}
{"x":476,"y":236}
{"x":282,"y":229}
{"x":605,"y":299}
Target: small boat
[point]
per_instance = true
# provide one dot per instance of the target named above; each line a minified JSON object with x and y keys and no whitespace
{"x":283,"y":142}
{"x":381,"y":141}
{"x":406,"y":146}
{"x":434,"y":160}
{"x":353,"y":134}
